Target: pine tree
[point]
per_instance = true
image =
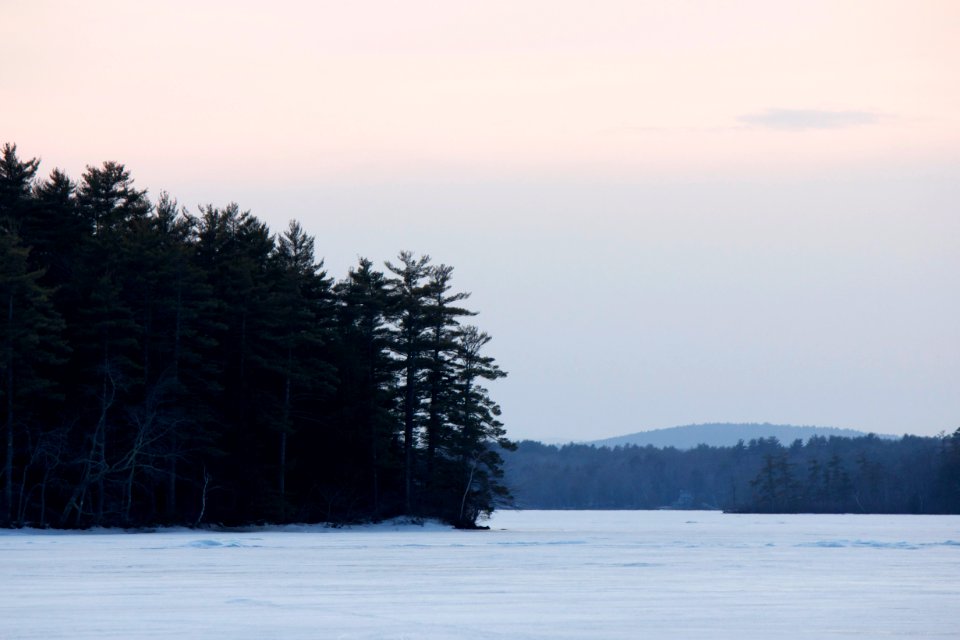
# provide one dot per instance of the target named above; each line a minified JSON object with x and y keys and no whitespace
{"x":409,"y":344}
{"x":168,"y":302}
{"x":442,"y":318}
{"x":187,"y":325}
{"x":477,"y":467}
{"x":301,"y":307}
{"x":234,"y":251}
{"x":106,"y":339}
{"x":366,"y":376}
{"x":16,"y":182}
{"x":100,"y":303}
{"x":54,"y":229}
{"x":107,"y":200}
{"x":31,"y":343}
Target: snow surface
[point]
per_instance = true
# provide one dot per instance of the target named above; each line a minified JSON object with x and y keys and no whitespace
{"x":535,"y":574}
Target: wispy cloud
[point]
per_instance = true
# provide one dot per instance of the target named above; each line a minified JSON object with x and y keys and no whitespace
{"x":803,"y":119}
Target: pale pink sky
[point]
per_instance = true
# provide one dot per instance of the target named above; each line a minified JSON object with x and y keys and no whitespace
{"x":371,"y":90}
{"x":674,"y":211}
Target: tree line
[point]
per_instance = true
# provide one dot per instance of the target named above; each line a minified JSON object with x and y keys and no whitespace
{"x":165,"y":367}
{"x":822,"y":475}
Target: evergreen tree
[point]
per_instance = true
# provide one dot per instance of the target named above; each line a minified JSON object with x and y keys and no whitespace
{"x":301,"y":310}
{"x":234,"y":251}
{"x":410,"y":343}
{"x":169,"y":304}
{"x":54,"y":230}
{"x":31,"y":343}
{"x":478,"y":433}
{"x":774,"y":487}
{"x":366,"y":375}
{"x":442,"y":317}
{"x":100,"y":303}
{"x":106,"y":339}
{"x":16,"y":182}
{"x":107,"y":200}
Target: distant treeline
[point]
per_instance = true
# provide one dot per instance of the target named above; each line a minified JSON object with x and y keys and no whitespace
{"x":158,"y":366}
{"x":823,"y":475}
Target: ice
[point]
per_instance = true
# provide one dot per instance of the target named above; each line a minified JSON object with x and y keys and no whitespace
{"x":535,"y":574}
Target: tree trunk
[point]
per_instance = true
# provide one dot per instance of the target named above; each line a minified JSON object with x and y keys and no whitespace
{"x":283,"y":471}
{"x":408,"y":414}
{"x":369,"y":415}
{"x":375,"y":471}
{"x":43,"y":500}
{"x":8,"y":463}
{"x":433,"y":420}
{"x":177,"y":332}
{"x":284,"y":425}
{"x":129,"y":506}
{"x":466,"y":491}
{"x":172,"y":480}
{"x":203,"y":497}
{"x":100,"y":443}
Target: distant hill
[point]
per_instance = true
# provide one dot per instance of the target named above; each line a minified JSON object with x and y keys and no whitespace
{"x":724,"y":435}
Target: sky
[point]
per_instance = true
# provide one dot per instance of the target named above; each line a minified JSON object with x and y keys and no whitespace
{"x":666,"y":212}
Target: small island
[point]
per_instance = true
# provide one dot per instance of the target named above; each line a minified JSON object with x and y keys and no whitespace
{"x":164,"y":367}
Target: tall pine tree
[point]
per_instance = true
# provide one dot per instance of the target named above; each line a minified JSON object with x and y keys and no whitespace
{"x":410,"y":292}
{"x":31,"y":343}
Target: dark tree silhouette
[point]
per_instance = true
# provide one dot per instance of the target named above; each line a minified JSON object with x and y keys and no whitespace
{"x":163,"y":367}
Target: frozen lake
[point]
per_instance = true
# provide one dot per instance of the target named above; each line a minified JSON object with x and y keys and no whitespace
{"x":536,"y":574}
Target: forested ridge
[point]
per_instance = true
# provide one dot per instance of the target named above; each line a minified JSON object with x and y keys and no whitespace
{"x":159,"y":366}
{"x":822,"y":475}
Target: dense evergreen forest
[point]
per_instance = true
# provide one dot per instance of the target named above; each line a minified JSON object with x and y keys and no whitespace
{"x":822,"y":475}
{"x":158,"y":366}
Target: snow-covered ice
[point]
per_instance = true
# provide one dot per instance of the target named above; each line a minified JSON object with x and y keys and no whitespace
{"x":535,"y":574}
